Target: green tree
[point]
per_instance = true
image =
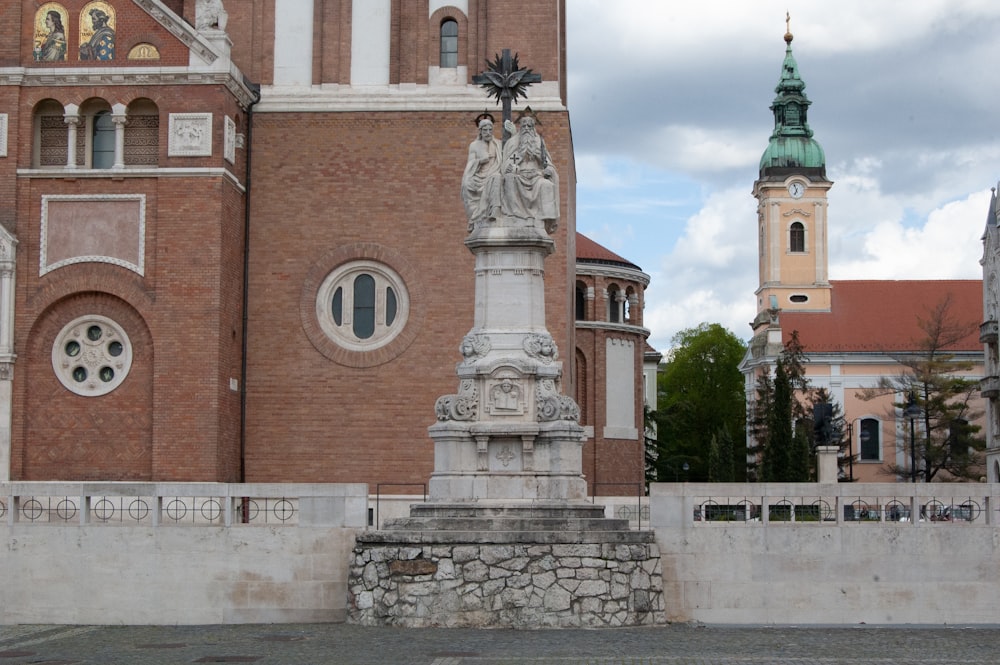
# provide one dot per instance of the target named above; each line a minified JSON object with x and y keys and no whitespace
{"x":701,"y":397}
{"x":946,"y":445}
{"x":835,"y":431}
{"x":780,"y":421}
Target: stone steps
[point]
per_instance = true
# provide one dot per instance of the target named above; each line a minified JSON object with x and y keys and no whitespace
{"x":479,"y":537}
{"x":529,"y":510}
{"x":506,"y":524}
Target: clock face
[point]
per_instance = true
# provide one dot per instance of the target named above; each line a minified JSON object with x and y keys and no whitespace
{"x":796,"y":189}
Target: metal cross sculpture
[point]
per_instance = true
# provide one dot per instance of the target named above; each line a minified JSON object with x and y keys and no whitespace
{"x":506,"y":81}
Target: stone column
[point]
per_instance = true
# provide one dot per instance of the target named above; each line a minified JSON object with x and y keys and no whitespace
{"x":119,"y":118}
{"x":72,"y":119}
{"x":827,"y":468}
{"x":509,"y":433}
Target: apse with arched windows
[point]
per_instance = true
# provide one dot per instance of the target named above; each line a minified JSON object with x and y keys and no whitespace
{"x":608,"y":367}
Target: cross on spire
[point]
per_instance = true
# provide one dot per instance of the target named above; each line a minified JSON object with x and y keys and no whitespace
{"x":506,"y":81}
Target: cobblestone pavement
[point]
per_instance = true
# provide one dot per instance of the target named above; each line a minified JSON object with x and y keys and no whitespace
{"x":340,"y":644}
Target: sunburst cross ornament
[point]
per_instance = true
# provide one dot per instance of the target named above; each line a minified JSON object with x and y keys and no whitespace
{"x":506,"y":81}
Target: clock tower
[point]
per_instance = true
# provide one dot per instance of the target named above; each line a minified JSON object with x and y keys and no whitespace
{"x":792,"y":205}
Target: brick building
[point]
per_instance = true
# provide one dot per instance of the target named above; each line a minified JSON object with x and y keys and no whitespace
{"x":233,"y":248}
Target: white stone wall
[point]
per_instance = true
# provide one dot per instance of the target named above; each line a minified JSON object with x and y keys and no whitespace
{"x":620,"y":389}
{"x":293,"y":42}
{"x":827,"y":572}
{"x":82,"y":571}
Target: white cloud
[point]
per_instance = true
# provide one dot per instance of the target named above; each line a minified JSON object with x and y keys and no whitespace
{"x":947,"y":246}
{"x":670,"y":114}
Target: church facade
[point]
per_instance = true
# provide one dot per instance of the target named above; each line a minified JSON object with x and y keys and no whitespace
{"x":233,"y":249}
{"x":853,"y":332}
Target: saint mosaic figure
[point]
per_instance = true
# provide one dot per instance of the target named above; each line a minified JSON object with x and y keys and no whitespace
{"x":101,"y":45}
{"x":52,"y":48}
{"x":481,"y":180}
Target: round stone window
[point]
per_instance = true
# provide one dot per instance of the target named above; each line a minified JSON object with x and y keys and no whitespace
{"x":92,"y":356}
{"x":362,"y":305}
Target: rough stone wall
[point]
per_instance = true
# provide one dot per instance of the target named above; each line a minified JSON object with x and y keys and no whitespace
{"x":506,"y":586}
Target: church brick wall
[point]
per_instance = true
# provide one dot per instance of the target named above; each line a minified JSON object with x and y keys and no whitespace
{"x":310,"y":418}
{"x":182,"y":317}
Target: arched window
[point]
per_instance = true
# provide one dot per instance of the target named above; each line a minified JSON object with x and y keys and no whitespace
{"x":142,"y":134}
{"x":581,"y":302}
{"x":449,"y":43}
{"x":797,"y":237}
{"x":51,"y":136}
{"x":362,"y":305}
{"x":103,"y":143}
{"x":614,"y":305}
{"x":870,"y":439}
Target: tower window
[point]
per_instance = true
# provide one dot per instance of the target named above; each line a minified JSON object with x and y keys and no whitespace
{"x":797,"y":237}
{"x":449,"y":43}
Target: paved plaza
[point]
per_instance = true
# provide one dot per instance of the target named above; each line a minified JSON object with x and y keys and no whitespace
{"x":339,"y":644}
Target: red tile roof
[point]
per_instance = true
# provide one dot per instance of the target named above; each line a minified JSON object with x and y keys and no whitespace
{"x":589,"y":251}
{"x":881,"y":315}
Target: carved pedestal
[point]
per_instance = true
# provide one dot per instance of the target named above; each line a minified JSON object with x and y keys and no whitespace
{"x":508,"y":433}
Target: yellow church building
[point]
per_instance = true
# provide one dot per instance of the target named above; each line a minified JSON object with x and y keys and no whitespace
{"x":853,"y":332}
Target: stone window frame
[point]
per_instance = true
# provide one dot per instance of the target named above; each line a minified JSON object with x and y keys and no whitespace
{"x":92,"y":356}
{"x":797,"y":237}
{"x":342,"y":282}
{"x":332,"y":268}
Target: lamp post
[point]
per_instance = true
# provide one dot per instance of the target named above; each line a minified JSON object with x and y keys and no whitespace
{"x":912,"y":411}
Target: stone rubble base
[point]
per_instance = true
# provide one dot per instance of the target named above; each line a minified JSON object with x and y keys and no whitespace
{"x":506,"y":585}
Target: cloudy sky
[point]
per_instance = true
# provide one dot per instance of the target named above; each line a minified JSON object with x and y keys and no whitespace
{"x":669,"y":103}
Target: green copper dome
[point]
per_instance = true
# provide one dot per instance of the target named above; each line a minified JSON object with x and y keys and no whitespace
{"x":792,"y":148}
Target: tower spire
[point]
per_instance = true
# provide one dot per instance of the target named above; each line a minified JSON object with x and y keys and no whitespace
{"x":791,"y":145}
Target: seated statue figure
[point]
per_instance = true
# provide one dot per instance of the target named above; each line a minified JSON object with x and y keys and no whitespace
{"x":530,"y":183}
{"x":481,"y":180}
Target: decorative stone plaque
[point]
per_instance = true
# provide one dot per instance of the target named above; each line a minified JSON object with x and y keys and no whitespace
{"x":190,"y":135}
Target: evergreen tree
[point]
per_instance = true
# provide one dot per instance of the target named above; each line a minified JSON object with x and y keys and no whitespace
{"x":783,"y":444}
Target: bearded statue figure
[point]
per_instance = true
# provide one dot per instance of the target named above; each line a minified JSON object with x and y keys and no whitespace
{"x":530,"y":182}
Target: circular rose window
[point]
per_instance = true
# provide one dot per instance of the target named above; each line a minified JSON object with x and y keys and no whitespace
{"x":91,"y":356}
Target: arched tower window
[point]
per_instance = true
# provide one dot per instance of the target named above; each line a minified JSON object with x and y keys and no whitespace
{"x":449,"y":43}
{"x":797,"y":237}
{"x":614,"y":304}
{"x":581,"y":301}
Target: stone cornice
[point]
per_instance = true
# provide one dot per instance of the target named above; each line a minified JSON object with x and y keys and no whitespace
{"x":118,"y":174}
{"x":613,"y":327}
{"x":345,"y":98}
{"x":617,"y":272}
{"x":121,"y":76}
